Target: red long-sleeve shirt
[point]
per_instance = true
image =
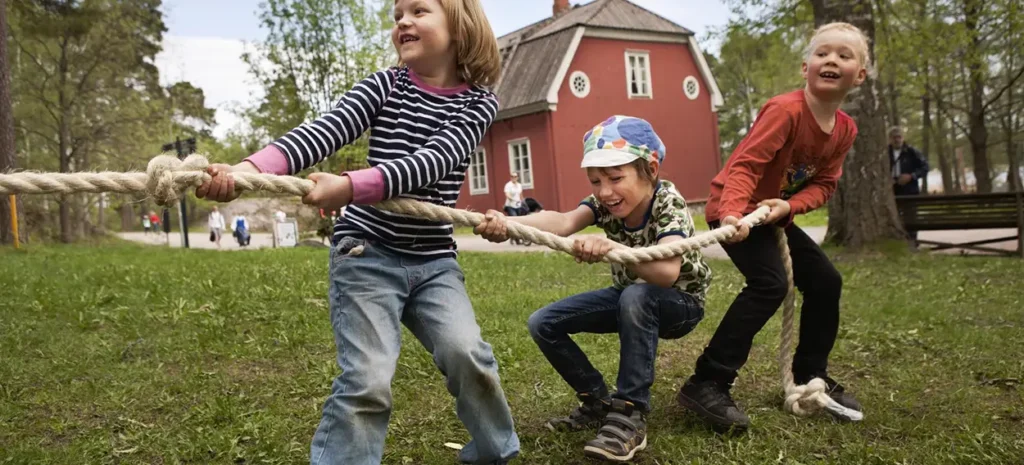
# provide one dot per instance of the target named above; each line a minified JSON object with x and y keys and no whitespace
{"x":785,"y":155}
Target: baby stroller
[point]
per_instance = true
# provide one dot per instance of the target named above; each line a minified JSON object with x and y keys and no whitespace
{"x":242,"y":233}
{"x":530,"y":205}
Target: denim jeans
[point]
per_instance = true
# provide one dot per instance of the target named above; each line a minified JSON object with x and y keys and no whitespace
{"x":370,"y":295}
{"x":640,"y":314}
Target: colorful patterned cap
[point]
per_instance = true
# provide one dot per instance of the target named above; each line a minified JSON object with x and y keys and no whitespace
{"x":620,"y":140}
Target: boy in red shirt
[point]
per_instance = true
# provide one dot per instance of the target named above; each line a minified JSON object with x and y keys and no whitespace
{"x":791,"y":161}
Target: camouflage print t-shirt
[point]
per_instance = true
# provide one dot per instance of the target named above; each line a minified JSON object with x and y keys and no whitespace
{"x":667,"y":216}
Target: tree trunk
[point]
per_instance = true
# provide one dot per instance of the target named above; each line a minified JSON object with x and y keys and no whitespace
{"x":945,"y":166}
{"x":926,"y":123}
{"x":892,"y":95}
{"x":127,"y":216}
{"x":64,"y":144}
{"x":1013,"y":181}
{"x":101,"y":224}
{"x":863,"y":209}
{"x":7,"y":160}
{"x":977,"y":132}
{"x":926,"y":116}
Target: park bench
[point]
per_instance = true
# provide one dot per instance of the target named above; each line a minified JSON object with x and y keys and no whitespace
{"x":964,"y":212}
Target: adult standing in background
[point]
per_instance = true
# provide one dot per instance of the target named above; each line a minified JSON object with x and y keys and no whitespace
{"x":514,"y":205}
{"x":908,"y":166}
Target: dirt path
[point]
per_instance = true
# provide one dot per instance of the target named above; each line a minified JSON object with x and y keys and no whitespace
{"x":200,"y":240}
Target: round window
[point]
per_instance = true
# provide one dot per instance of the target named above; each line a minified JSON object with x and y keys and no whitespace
{"x":579,"y":83}
{"x":691,"y":87}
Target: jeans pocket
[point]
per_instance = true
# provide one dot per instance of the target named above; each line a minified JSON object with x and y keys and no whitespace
{"x":679,"y":329}
{"x":685,"y":314}
{"x":346,"y":248}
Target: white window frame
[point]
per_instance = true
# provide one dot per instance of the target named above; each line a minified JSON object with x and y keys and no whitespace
{"x":478,"y":161}
{"x":529,"y":161}
{"x":637,"y":55}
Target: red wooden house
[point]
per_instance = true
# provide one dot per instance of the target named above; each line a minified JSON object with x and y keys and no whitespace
{"x":564,"y":74}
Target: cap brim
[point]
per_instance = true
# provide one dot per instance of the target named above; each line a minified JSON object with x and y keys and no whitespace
{"x":603,"y":158}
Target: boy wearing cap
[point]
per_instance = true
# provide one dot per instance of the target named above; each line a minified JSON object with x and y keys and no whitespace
{"x":647,"y":301}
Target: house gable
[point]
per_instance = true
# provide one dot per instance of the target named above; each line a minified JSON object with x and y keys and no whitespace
{"x":535,"y":58}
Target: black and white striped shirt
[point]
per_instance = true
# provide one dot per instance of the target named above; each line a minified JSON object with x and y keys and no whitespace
{"x":421,"y":141}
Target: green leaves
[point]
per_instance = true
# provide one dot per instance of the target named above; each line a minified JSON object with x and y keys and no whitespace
{"x":317,"y":50}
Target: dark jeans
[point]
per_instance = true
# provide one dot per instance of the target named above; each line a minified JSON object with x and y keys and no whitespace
{"x":641,"y":314}
{"x":521,"y":211}
{"x":759,"y":260}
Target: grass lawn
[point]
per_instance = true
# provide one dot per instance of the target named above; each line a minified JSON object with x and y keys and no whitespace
{"x":131,"y":354}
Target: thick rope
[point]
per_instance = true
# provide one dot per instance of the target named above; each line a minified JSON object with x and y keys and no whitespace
{"x":166,"y":179}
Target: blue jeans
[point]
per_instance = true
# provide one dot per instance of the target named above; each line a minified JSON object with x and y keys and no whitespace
{"x":640,"y":313}
{"x":370,"y":294}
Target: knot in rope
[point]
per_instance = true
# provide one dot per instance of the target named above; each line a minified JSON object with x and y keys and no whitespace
{"x":806,"y":399}
{"x":168,"y":177}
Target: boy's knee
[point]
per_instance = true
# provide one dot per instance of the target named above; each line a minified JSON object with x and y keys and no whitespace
{"x":827,"y":281}
{"x":634,"y":303}
{"x":539,"y":326}
{"x":772,"y":287}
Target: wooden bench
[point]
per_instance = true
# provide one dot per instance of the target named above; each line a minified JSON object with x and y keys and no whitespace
{"x":962,"y":212}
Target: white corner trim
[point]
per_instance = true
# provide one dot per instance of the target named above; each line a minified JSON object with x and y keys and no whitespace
{"x":635,"y":36}
{"x":705,"y":72}
{"x":556,"y":83}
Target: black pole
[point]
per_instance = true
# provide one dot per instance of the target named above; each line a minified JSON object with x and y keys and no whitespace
{"x":184,"y":209}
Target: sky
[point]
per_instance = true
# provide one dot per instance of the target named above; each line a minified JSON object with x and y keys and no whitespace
{"x":206,"y":38}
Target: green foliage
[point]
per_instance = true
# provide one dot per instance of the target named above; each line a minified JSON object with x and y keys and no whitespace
{"x":316,"y":50}
{"x":752,"y":67}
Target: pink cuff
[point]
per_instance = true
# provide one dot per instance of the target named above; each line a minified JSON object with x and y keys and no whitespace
{"x":367,"y":185}
{"x":269,"y":160}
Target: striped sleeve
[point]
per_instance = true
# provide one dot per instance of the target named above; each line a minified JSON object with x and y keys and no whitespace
{"x":314,"y":141}
{"x":443,"y":152}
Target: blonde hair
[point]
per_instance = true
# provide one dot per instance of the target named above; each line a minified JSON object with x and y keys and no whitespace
{"x":476,"y":49}
{"x":861,"y":47}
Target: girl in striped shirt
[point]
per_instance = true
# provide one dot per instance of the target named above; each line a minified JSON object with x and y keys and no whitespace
{"x":425,"y":117}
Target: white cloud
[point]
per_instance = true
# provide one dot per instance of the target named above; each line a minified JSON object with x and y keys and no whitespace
{"x":214,"y":65}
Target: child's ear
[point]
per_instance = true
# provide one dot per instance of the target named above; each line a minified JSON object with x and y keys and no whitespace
{"x":803,"y":70}
{"x":654,"y":168}
{"x":861,"y":76}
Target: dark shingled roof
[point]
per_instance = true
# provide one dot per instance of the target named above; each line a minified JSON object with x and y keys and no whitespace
{"x":531,"y":55}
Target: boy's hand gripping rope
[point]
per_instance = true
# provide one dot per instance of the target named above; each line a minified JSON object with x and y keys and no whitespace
{"x":166,"y":179}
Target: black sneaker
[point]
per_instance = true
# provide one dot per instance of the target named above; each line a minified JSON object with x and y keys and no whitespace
{"x":711,"y":401}
{"x":587,"y":416}
{"x":623,"y":433}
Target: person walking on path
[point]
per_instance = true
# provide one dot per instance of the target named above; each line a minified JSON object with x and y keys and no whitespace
{"x":216,"y":222}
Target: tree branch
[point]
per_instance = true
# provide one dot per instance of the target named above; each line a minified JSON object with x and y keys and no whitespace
{"x":1008,"y":85}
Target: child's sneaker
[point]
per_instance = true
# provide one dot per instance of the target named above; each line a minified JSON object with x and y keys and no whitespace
{"x":587,"y":416}
{"x":838,"y":393}
{"x":623,"y":433}
{"x":711,"y":401}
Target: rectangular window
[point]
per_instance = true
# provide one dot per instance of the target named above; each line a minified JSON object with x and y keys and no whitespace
{"x":638,"y":74}
{"x":478,"y":172}
{"x":519,"y":160}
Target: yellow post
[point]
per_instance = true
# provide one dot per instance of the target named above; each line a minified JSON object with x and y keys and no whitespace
{"x":14,"y":220}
